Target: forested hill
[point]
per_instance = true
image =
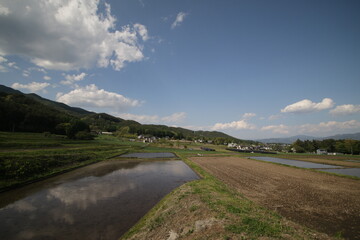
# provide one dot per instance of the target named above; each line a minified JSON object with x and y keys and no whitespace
{"x":56,"y":105}
{"x":32,"y":113}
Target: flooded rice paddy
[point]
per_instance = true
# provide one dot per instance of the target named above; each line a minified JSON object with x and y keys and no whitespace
{"x":149,"y":155}
{"x":101,"y":201}
{"x":318,"y":166}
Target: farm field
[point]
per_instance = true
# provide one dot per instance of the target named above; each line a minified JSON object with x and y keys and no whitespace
{"x":323,"y":202}
{"x":28,"y":157}
{"x":227,"y":203}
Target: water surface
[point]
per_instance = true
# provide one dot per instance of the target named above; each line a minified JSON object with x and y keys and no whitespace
{"x":101,"y":201}
{"x":345,"y":171}
{"x":295,"y":163}
{"x":149,"y":155}
{"x":323,"y":167}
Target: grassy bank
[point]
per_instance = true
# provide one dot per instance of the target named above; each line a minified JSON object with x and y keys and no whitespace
{"x":208,"y":209}
{"x":26,"y":157}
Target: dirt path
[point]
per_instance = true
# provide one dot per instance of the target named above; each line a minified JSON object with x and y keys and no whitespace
{"x":319,"y":201}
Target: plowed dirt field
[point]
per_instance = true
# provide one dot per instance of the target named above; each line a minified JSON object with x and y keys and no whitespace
{"x":323,"y":202}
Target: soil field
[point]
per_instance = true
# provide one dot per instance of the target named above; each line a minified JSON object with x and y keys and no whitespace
{"x":323,"y":202}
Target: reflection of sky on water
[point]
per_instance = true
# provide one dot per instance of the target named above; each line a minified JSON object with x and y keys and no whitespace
{"x":89,"y":191}
{"x":92,"y":207}
{"x":296,"y":163}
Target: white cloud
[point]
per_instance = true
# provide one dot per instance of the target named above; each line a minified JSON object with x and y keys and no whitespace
{"x":4,"y":11}
{"x":175,"y":118}
{"x":71,"y":79}
{"x":346,"y":109}
{"x":249,"y":115}
{"x":2,"y":59}
{"x":330,"y":126}
{"x":13,"y":65}
{"x":47,"y":78}
{"x":142,"y":31}
{"x":306,"y":106}
{"x":179,"y":19}
{"x":282,"y":129}
{"x":155,"y":119}
{"x":93,"y":97}
{"x":274,"y":117}
{"x":69,"y":34}
{"x":33,"y":86}
{"x":238,"y":125}
{"x":26,"y":73}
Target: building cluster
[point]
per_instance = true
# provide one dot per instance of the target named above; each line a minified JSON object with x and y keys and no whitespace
{"x":250,"y":148}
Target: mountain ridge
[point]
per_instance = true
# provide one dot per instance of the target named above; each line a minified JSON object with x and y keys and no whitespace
{"x":289,"y":140}
{"x":107,"y":122}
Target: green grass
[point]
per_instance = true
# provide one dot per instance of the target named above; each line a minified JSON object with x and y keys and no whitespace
{"x":246,"y":217}
{"x":241,"y":217}
{"x":26,"y":157}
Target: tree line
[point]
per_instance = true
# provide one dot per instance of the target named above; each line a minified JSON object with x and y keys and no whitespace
{"x":20,"y":113}
{"x":346,"y":146}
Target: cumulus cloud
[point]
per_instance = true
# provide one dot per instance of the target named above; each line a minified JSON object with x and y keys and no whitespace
{"x":330,"y":126}
{"x":179,"y":19}
{"x":306,"y":106}
{"x":32,"y":87}
{"x":71,"y":79}
{"x":155,"y":119}
{"x":47,"y":78}
{"x":4,"y":11}
{"x":142,"y":31}
{"x":93,"y":97}
{"x":282,"y":129}
{"x":2,"y":61}
{"x":238,"y":125}
{"x":175,"y":118}
{"x":69,"y":34}
{"x":346,"y":109}
{"x":274,"y":117}
{"x":249,"y":115}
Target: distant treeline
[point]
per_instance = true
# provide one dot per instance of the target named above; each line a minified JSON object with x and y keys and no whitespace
{"x":347,"y":146}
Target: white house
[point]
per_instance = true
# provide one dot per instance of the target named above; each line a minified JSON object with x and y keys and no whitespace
{"x":321,"y":151}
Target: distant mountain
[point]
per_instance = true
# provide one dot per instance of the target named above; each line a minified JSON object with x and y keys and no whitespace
{"x":21,"y":113}
{"x":6,"y":89}
{"x":354,"y":136}
{"x":290,"y":140}
{"x":74,"y":111}
{"x":287,"y":140}
{"x":25,"y":107}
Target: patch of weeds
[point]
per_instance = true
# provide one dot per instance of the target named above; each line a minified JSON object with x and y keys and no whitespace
{"x":183,"y":195}
{"x":190,"y":231}
{"x":157,"y":222}
{"x":196,"y":190}
{"x":339,"y":235}
{"x":232,"y":209}
{"x":194,"y":208}
{"x":258,"y":227}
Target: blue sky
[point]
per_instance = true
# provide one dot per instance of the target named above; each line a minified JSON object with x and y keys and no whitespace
{"x":252,"y":69}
